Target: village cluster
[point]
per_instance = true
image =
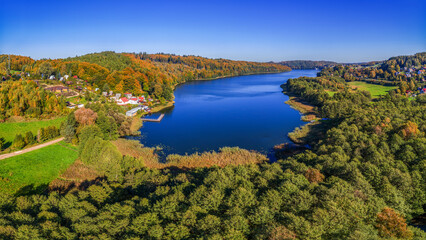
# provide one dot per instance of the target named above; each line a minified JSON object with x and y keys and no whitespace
{"x":409,"y":72}
{"x":118,"y":98}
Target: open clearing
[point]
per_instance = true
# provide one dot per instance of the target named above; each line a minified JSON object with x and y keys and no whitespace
{"x":374,"y":89}
{"x":8,"y":130}
{"x":33,"y":171}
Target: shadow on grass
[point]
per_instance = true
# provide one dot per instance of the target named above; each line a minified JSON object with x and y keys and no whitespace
{"x":31,"y":189}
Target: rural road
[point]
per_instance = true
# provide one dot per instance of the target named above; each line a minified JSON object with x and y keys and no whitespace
{"x":8,"y":155}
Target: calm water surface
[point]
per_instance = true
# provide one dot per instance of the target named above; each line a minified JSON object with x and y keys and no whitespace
{"x":247,"y":111}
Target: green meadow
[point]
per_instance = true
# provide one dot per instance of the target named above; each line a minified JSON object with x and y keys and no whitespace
{"x":374,"y":89}
{"x":33,"y":171}
{"x":8,"y":130}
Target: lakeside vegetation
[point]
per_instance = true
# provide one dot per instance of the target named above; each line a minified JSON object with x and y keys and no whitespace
{"x":227,"y":156}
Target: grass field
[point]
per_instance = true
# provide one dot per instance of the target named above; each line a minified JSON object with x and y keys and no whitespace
{"x":33,"y":171}
{"x":374,"y":89}
{"x":330,"y":93}
{"x":8,"y":130}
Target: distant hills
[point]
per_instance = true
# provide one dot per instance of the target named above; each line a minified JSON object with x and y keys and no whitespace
{"x":307,"y":64}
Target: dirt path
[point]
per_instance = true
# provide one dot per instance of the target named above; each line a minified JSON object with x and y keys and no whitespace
{"x":8,"y":155}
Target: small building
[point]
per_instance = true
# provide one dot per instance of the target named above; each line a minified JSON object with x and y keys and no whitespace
{"x":80,"y":105}
{"x":132,"y":112}
{"x":104,"y":94}
{"x":110,"y":93}
{"x":52,"y":77}
{"x":66,"y":77}
{"x":58,"y":89}
{"x":122,"y":101}
{"x":128,"y":95}
{"x":118,"y":95}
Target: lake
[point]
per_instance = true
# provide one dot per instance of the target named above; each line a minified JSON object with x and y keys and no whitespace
{"x":246,"y":111}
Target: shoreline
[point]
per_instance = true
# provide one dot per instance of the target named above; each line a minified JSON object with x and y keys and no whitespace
{"x":228,"y":76}
{"x":304,"y":134}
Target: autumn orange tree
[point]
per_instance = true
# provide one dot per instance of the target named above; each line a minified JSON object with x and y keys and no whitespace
{"x":85,"y":116}
{"x":314,"y":175}
{"x":391,"y":224}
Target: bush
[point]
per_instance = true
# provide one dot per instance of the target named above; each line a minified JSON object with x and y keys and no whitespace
{"x":45,"y":134}
{"x":18,"y":142}
{"x":29,"y":138}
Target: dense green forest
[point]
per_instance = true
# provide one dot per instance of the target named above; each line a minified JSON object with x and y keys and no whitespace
{"x":307,"y":64}
{"x":152,"y":74}
{"x":364,"y":180}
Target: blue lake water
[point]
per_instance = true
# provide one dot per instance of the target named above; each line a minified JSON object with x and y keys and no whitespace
{"x":247,"y":111}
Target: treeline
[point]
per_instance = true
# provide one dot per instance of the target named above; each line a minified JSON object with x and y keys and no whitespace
{"x":152,"y":74}
{"x":418,"y":59}
{"x":307,"y":64}
{"x":17,"y":63}
{"x":25,"y":98}
{"x":28,"y":138}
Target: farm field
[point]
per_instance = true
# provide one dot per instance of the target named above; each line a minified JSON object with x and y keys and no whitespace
{"x":374,"y":89}
{"x":8,"y":130}
{"x":33,"y":171}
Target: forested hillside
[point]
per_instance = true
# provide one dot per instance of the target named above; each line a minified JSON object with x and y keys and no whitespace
{"x":364,"y":180}
{"x":407,"y":72}
{"x":153,"y":74}
{"x":307,"y":64}
{"x":25,"y":98}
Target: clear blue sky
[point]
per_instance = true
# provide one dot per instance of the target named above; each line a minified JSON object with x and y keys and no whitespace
{"x":344,"y":30}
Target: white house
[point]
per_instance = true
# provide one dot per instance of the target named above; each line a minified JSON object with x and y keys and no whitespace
{"x":132,"y":112}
